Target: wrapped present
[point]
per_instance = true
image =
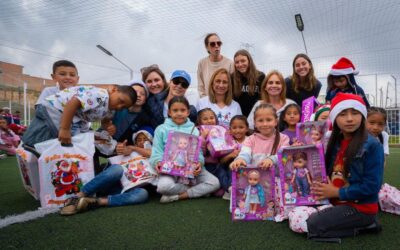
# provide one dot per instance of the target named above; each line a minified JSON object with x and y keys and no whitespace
{"x":389,"y":199}
{"x":299,"y":167}
{"x":29,"y":170}
{"x":63,"y":170}
{"x":253,"y":194}
{"x":219,"y":140}
{"x":307,"y":108}
{"x":137,"y":170}
{"x":312,"y":132}
{"x":181,"y":154}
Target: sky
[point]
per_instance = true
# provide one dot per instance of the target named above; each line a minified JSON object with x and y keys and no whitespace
{"x":35,"y":33}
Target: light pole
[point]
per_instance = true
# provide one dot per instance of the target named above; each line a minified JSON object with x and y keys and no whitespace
{"x":110,"y":54}
{"x":395,"y":91}
{"x":300,"y":27}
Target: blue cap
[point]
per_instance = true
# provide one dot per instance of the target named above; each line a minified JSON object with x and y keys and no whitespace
{"x":181,"y":73}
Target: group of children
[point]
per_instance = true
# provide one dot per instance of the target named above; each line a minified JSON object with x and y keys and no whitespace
{"x":351,"y":153}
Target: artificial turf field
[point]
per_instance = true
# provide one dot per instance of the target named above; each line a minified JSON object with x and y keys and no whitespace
{"x":193,"y":224}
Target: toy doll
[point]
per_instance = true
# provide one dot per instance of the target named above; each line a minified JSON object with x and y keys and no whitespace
{"x":254,"y":193}
{"x":316,"y":135}
{"x":216,"y":137}
{"x":301,"y":174}
{"x":180,"y":158}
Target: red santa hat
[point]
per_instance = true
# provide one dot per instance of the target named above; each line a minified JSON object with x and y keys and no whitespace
{"x":343,"y":101}
{"x":343,"y":67}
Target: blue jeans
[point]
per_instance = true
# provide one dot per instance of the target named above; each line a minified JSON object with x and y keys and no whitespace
{"x":223,"y":174}
{"x":108,"y":182}
{"x":302,"y":186}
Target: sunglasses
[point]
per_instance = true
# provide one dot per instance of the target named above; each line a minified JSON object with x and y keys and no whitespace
{"x":184,"y":84}
{"x":213,"y":44}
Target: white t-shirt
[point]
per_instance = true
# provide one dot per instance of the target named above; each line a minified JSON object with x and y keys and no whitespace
{"x":250,"y":118}
{"x":385,"y":136}
{"x":224,"y":114}
{"x":48,"y":91}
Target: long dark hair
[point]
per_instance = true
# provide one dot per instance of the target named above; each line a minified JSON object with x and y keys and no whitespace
{"x":277,"y":134}
{"x":282,"y":124}
{"x":381,"y":111}
{"x":357,"y":140}
{"x":198,"y":120}
{"x":251,"y":75}
{"x":310,"y":81}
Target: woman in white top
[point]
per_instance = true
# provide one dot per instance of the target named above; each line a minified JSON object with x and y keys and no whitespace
{"x":220,"y":98}
{"x":273,"y":91}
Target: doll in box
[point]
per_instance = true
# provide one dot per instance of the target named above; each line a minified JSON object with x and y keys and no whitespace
{"x":254,"y":195}
{"x":301,"y":174}
{"x":216,"y":137}
{"x":316,"y":134}
{"x":180,"y":158}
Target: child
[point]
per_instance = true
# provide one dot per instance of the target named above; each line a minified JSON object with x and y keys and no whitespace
{"x":69,"y":112}
{"x":171,"y":190}
{"x":287,"y":121}
{"x":376,"y":123}
{"x":108,"y":182}
{"x":301,"y":174}
{"x":8,"y":139}
{"x":322,"y":113}
{"x":260,"y":149}
{"x":354,"y":160}
{"x":65,"y":74}
{"x":341,"y":79}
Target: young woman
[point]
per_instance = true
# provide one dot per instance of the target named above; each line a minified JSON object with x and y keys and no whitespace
{"x":154,"y":78}
{"x":354,"y":161}
{"x":303,"y":83}
{"x":246,"y":80}
{"x":208,"y":65}
{"x":220,"y":99}
{"x":273,"y":91}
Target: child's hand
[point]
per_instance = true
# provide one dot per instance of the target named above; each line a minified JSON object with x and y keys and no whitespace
{"x":297,"y":142}
{"x":197,"y":170}
{"x":64,"y":136}
{"x":325,"y":190}
{"x":234,"y":153}
{"x":238,"y":163}
{"x":111,"y":129}
{"x":266,"y":164}
{"x":158,"y":167}
{"x":122,"y":149}
{"x":204,"y":133}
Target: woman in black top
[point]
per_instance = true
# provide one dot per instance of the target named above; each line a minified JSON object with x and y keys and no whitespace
{"x":246,"y":80}
{"x":303,"y":83}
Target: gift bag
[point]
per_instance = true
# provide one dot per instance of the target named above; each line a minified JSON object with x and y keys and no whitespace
{"x":181,"y":154}
{"x":299,"y":167}
{"x":219,"y":141}
{"x":28,"y":168}
{"x":389,"y":199}
{"x":137,"y":170}
{"x":307,"y":108}
{"x":253,"y":194}
{"x":63,"y":170}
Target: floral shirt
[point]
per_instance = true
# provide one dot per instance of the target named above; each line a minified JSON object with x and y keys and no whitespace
{"x":94,"y":102}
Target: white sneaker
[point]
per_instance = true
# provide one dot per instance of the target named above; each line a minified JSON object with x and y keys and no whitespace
{"x":169,"y":198}
{"x":3,"y":156}
{"x":226,"y":196}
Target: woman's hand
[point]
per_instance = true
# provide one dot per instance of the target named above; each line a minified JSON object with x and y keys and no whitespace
{"x":238,"y":163}
{"x":266,"y":164}
{"x":325,"y":190}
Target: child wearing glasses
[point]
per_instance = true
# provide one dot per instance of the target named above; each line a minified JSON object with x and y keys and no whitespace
{"x":208,"y":65}
{"x":220,"y":98}
{"x":157,"y":106}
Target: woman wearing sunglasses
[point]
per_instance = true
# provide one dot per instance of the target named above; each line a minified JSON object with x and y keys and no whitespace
{"x":220,"y":98}
{"x":157,"y":105}
{"x":208,"y":65}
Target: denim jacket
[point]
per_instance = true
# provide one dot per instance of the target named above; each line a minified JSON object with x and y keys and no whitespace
{"x":366,"y":173}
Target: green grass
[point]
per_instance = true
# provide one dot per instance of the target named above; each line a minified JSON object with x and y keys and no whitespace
{"x":200,"y":223}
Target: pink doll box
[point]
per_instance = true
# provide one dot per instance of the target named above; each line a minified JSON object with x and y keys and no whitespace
{"x":307,"y":108}
{"x":181,"y":154}
{"x":311,"y":132}
{"x":296,"y":182}
{"x":253,"y":194}
{"x":28,"y":167}
{"x":219,"y":140}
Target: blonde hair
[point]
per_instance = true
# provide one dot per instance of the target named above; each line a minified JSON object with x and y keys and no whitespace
{"x":264,"y":93}
{"x":228,"y":94}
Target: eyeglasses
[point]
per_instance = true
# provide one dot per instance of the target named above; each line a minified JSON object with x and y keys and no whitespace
{"x":184,"y":84}
{"x":213,"y":44}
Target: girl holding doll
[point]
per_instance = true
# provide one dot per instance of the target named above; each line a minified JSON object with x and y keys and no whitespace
{"x":220,"y":98}
{"x":354,"y":161}
{"x":273,"y":91}
{"x":168,"y":186}
{"x":265,"y":141}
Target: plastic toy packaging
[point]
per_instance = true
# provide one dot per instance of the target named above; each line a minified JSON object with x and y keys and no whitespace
{"x":63,"y":170}
{"x":253,"y":194}
{"x":137,"y":170}
{"x":299,"y":167}
{"x":28,"y":167}
{"x":307,"y":108}
{"x":104,"y":142}
{"x":219,"y":140}
{"x":389,"y":199}
{"x":312,"y":132}
{"x":181,"y":154}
